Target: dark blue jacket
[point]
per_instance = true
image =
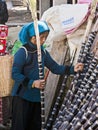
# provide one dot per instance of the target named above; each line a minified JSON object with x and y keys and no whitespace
{"x":25,"y":71}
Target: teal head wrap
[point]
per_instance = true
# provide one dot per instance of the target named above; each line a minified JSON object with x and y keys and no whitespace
{"x":28,"y":31}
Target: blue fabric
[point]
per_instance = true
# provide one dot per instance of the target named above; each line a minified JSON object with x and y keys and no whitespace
{"x":20,"y":72}
{"x":28,"y":31}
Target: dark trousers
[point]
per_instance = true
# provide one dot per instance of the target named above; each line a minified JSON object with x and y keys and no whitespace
{"x":25,"y":115}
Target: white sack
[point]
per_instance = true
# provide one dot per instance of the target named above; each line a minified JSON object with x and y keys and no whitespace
{"x":75,"y":41}
{"x":63,"y":18}
{"x":72,"y":16}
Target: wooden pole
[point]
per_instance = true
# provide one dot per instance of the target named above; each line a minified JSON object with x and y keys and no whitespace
{"x":90,"y":19}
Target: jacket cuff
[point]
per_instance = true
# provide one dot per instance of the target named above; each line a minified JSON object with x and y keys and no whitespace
{"x":28,"y":82}
{"x":72,"y":70}
{"x":69,"y":70}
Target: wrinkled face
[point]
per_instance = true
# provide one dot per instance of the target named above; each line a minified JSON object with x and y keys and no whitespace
{"x":43,"y":37}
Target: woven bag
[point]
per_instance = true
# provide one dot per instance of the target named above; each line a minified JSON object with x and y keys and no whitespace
{"x":6,"y":81}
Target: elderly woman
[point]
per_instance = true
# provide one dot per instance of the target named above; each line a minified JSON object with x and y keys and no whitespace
{"x":26,"y":106}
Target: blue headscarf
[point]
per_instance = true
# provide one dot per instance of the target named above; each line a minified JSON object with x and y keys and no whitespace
{"x":28,"y":31}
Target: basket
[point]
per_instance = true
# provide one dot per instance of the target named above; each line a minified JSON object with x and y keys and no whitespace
{"x":6,"y":81}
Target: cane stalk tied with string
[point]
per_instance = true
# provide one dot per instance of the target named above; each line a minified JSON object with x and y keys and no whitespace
{"x":41,"y":76}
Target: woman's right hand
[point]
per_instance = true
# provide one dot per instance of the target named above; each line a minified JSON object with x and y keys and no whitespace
{"x":39,"y":84}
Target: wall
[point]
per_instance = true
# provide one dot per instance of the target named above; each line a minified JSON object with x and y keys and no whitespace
{"x":45,"y":4}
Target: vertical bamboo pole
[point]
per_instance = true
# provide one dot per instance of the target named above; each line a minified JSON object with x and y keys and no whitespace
{"x":90,"y":19}
{"x":41,"y":76}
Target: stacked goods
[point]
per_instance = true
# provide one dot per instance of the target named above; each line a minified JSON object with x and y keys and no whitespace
{"x":5,"y":76}
{"x":79,"y":110}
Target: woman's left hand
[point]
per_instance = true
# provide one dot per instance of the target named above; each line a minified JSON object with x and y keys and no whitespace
{"x":78,"y":67}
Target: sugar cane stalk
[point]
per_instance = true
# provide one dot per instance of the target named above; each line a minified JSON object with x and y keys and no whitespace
{"x":41,"y":76}
{"x":90,"y":19}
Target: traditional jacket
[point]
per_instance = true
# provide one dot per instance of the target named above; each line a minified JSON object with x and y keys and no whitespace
{"x":25,"y":69}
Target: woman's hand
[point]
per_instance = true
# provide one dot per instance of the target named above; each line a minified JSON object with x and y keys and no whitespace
{"x":39,"y":84}
{"x":78,"y":67}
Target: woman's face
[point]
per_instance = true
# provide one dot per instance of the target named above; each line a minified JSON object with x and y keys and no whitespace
{"x":42,"y":36}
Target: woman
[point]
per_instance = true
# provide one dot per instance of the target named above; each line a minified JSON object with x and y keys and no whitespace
{"x":26,"y":111}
